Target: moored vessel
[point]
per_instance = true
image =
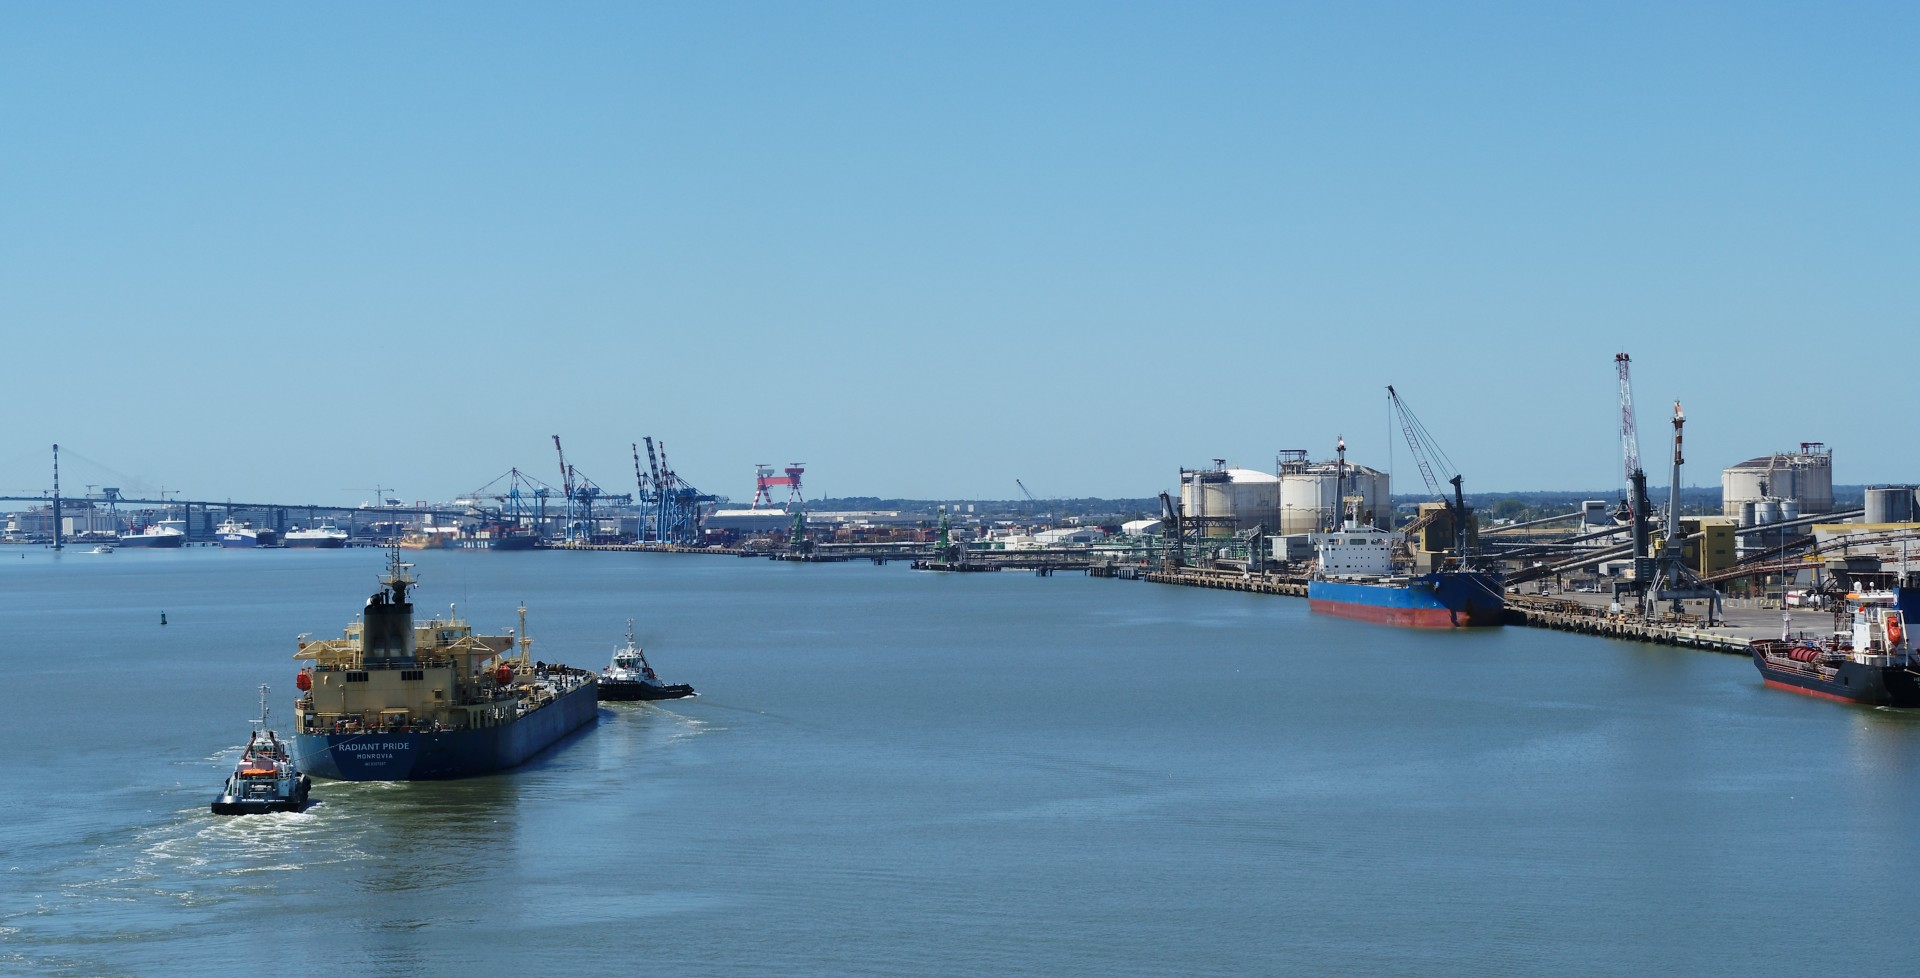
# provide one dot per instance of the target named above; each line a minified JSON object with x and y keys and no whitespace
{"x":399,"y":700}
{"x":1356,"y":576}
{"x":499,"y":536}
{"x":265,"y":779}
{"x":234,"y":534}
{"x":1870,"y":658}
{"x":1356,"y":579}
{"x":630,"y":677}
{"x":164,"y":534}
{"x":430,"y":538}
{"x":326,"y":536}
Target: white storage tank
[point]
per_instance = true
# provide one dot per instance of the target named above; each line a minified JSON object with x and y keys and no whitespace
{"x":1204,"y":494}
{"x":1805,"y":477}
{"x":1890,"y":504}
{"x":1246,"y":497}
{"x":1310,"y":495}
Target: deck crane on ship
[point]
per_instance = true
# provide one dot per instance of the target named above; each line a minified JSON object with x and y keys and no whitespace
{"x":1424,"y":448}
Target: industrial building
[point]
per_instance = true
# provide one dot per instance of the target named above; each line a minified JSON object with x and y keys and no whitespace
{"x":1299,"y":496}
{"x":1781,"y":486}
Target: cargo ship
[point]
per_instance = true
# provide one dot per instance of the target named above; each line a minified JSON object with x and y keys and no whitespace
{"x":499,"y":536}
{"x":430,"y":538}
{"x":400,"y":700}
{"x":326,"y":536}
{"x":164,"y":534}
{"x":1355,"y":575}
{"x":1356,"y":579}
{"x":1871,"y":660}
{"x":234,"y":534}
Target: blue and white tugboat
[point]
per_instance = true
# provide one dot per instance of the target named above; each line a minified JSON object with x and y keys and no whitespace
{"x":399,"y":700}
{"x":631,"y":678}
{"x":265,"y":779}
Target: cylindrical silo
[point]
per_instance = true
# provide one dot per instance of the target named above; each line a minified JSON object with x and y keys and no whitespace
{"x":1205,"y":496}
{"x":1890,"y":504}
{"x":1746,"y":512}
{"x":1307,"y":499}
{"x":1309,"y":496}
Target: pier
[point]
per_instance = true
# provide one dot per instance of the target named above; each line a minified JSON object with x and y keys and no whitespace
{"x":1562,"y":614}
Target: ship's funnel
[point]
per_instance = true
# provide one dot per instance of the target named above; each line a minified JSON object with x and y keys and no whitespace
{"x":387,"y":630}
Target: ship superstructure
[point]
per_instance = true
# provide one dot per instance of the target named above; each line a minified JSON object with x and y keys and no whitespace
{"x":395,"y":699}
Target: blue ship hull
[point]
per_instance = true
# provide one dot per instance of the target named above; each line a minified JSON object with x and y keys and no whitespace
{"x":1447,"y":599}
{"x":445,"y":754}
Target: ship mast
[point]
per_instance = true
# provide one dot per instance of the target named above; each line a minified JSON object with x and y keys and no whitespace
{"x":526,"y":643}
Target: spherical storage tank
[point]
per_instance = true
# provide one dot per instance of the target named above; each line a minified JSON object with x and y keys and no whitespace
{"x":1890,"y":504}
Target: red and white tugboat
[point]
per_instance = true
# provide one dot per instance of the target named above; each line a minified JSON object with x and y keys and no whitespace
{"x":1871,"y":660}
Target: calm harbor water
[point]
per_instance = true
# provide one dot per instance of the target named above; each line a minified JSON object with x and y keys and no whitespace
{"x":899,"y":773}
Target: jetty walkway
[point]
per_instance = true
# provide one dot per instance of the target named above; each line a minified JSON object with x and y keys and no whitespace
{"x":1587,"y":614}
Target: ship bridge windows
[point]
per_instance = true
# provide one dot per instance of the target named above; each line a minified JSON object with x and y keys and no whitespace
{"x":407,"y":675}
{"x":356,"y":676}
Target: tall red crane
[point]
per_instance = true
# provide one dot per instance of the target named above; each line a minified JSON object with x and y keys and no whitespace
{"x":566,"y":472}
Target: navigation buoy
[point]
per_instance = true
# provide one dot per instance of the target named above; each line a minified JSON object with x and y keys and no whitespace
{"x":303,"y":681}
{"x":163,"y":618}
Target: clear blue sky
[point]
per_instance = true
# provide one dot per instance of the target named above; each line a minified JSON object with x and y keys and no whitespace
{"x":296,"y":251}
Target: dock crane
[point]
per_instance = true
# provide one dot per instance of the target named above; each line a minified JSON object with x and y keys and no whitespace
{"x":1639,"y":507}
{"x":571,"y":528}
{"x":1673,"y":580}
{"x":669,"y":505}
{"x":1422,"y":445}
{"x":580,"y":493}
{"x":1033,"y":505}
{"x":1173,"y":516}
{"x":514,"y":508}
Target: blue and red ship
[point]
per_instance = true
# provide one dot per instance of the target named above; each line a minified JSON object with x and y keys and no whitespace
{"x":1443,"y":599}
